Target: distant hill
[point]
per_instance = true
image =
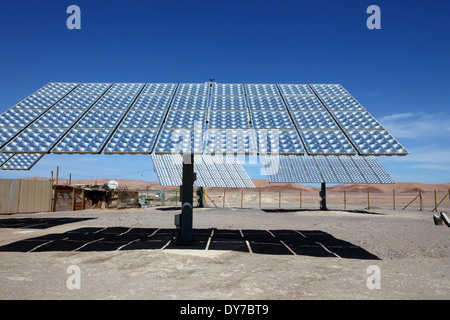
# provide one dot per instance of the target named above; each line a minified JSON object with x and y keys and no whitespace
{"x":264,"y":185}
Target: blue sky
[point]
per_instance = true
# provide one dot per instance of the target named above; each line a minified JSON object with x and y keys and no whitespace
{"x":400,"y":73}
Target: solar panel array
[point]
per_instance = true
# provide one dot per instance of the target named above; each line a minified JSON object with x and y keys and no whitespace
{"x":212,"y":171}
{"x":327,"y":169}
{"x":204,"y":118}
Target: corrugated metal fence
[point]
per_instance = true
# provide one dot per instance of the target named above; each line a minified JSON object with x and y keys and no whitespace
{"x":22,"y":196}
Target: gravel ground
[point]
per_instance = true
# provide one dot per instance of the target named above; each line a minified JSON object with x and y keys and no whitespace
{"x":239,"y":254}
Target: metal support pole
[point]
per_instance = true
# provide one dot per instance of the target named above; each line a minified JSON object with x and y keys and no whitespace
{"x":323,"y":195}
{"x":186,"y":236}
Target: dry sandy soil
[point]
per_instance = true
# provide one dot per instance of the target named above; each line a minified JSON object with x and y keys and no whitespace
{"x":239,"y":254}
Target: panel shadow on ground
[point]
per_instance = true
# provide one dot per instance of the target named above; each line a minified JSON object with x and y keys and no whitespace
{"x":37,"y":223}
{"x":274,"y":242}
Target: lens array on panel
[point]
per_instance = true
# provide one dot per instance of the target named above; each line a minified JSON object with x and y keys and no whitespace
{"x":319,"y":131}
{"x":183,"y":128}
{"x":328,"y":169}
{"x":275,"y":132}
{"x":212,"y":171}
{"x":139,"y":129}
{"x":93,"y":129}
{"x":228,"y":121}
{"x":366,"y":133}
{"x":32,"y":119}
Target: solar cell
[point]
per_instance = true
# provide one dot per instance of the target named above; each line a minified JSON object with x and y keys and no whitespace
{"x":227,"y":89}
{"x":329,"y":90}
{"x":228,"y":119}
{"x":313,"y":120}
{"x":229,"y":142}
{"x":278,"y":142}
{"x":82,"y":140}
{"x":271,"y":120}
{"x":326,"y":142}
{"x":296,"y":90}
{"x":190,"y":103}
{"x":266,"y":103}
{"x":261,"y":90}
{"x":376,"y":142}
{"x":185,"y":119}
{"x":160,"y":89}
{"x":151,"y":103}
{"x":179,"y":141}
{"x":304,"y":103}
{"x":131,"y":141}
{"x":228,"y":103}
{"x":198,"y":89}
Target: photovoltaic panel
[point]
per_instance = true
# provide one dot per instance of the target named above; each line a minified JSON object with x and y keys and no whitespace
{"x":271,"y":120}
{"x":229,"y":141}
{"x":57,"y":88}
{"x":23,"y":161}
{"x":93,"y":130}
{"x":295,"y":103}
{"x":131,"y":141}
{"x":4,"y":157}
{"x":365,"y":133}
{"x":228,"y":119}
{"x":190,"y":103}
{"x":179,"y":141}
{"x":23,"y":114}
{"x":228,"y":103}
{"x":138,"y":130}
{"x":323,"y":118}
{"x":159,"y":89}
{"x":266,"y":103}
{"x":189,"y":119}
{"x":295,"y":90}
{"x":197,"y":89}
{"x":376,"y":142}
{"x":330,"y":90}
{"x":278,"y":142}
{"x":313,"y":120}
{"x":261,"y":90}
{"x":329,"y":169}
{"x":212,"y":171}
{"x":227,"y":89}
{"x":326,"y":142}
{"x":44,"y":132}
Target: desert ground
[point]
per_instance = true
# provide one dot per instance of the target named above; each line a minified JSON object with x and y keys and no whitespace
{"x":240,"y":253}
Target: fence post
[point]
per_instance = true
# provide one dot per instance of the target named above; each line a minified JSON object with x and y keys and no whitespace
{"x":224,"y":193}
{"x":242,"y":197}
{"x":300,"y":199}
{"x":279,"y":199}
{"x":73,"y":199}
{"x":393,"y":197}
{"x":260,"y":198}
{"x":345,"y":200}
{"x":435,"y":200}
{"x":368,"y":199}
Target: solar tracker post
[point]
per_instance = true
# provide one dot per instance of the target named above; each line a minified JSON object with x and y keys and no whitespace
{"x":186,"y":236}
